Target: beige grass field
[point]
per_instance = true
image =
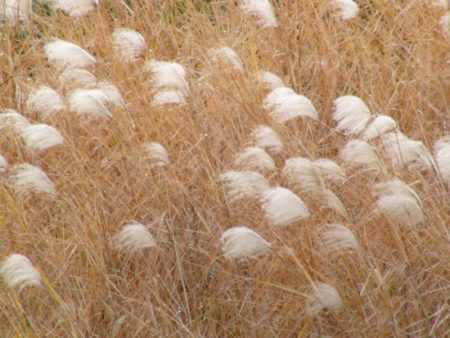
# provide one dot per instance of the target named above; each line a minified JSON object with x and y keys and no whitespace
{"x":394,"y":55}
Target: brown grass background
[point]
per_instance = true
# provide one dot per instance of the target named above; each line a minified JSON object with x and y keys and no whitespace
{"x":394,"y":56}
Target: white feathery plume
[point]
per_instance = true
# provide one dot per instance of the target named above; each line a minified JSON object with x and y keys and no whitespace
{"x":444,"y":21}
{"x":360,"y":153}
{"x":3,"y":164}
{"x":380,"y":125}
{"x":395,"y":186}
{"x":267,"y":138}
{"x":45,"y":101}
{"x":90,"y":103}
{"x":441,"y":3}
{"x":133,"y":237}
{"x":261,"y":9}
{"x":323,"y":296}
{"x":333,"y":202}
{"x":285,"y":104}
{"x":254,"y":159}
{"x":270,"y":80}
{"x":12,"y":119}
{"x":168,"y":75}
{"x":64,"y":54}
{"x":241,"y":242}
{"x":403,"y":151}
{"x":243,"y":184}
{"x":282,"y":207}
{"x":228,"y":56}
{"x":18,"y":272}
{"x":348,"y":8}
{"x":16,"y":9}
{"x":442,"y":156}
{"x":351,"y":114}
{"x":26,"y":178}
{"x":330,"y":170}
{"x":302,"y":172}
{"x":128,"y":43}
{"x":400,"y":208}
{"x":157,"y":154}
{"x":169,"y":96}
{"x":75,"y":8}
{"x":336,"y":237}
{"x":39,"y":137}
{"x":76,"y":77}
{"x":112,"y":93}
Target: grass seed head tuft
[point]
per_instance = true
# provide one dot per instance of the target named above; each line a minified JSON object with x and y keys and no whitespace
{"x":64,"y":54}
{"x":241,"y":242}
{"x":40,"y":137}
{"x":282,"y":207}
{"x":133,"y":237}
{"x":18,"y":272}
{"x":323,"y":296}
{"x":26,"y":178}
{"x":262,"y":10}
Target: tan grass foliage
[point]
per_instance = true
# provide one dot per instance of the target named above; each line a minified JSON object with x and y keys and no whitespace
{"x":181,"y":114}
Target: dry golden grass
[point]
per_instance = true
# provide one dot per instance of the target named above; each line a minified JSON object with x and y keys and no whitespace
{"x":394,"y":56}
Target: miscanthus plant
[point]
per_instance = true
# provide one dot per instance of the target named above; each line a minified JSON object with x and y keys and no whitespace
{"x":18,"y":272}
{"x":286,"y":164}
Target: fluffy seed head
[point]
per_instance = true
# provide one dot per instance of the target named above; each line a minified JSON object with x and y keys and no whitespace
{"x":45,"y":101}
{"x":404,"y":152}
{"x":401,"y":209}
{"x":254,"y":159}
{"x":168,"y":75}
{"x":262,"y":10}
{"x":39,"y":137}
{"x":444,"y":21}
{"x":243,"y":184}
{"x":351,"y":114}
{"x":226,"y":55}
{"x":90,"y":103}
{"x":442,"y":156}
{"x":64,"y":54}
{"x":336,"y":237}
{"x":112,"y":93}
{"x":330,"y":170}
{"x":18,"y":272}
{"x":169,"y":96}
{"x":157,"y":154}
{"x":323,"y":296}
{"x":75,"y":8}
{"x":441,"y":3}
{"x":27,"y":178}
{"x":348,"y":8}
{"x":266,"y":138}
{"x":284,"y":105}
{"x":15,"y":10}
{"x":333,"y":202}
{"x":76,"y":77}
{"x":134,"y":237}
{"x":380,"y":125}
{"x":395,"y":186}
{"x":282,"y":207}
{"x":128,"y":43}
{"x":270,"y":80}
{"x":360,"y":153}
{"x":303,"y":173}
{"x":241,"y":242}
{"x":3,"y":164}
{"x":12,"y":119}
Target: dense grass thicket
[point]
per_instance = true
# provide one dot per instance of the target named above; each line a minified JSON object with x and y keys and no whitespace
{"x":161,"y":152}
